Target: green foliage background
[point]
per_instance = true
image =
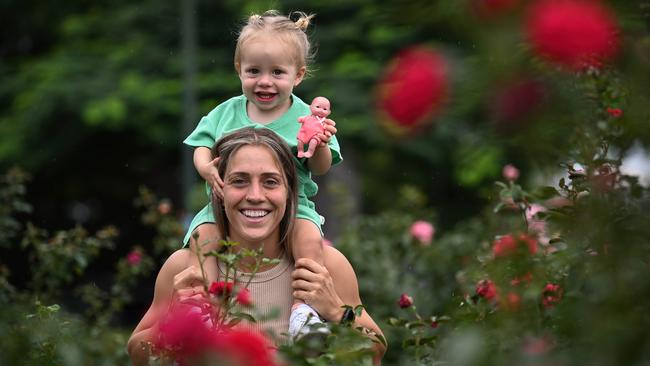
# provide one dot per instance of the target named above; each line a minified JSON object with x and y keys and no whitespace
{"x":91,"y":105}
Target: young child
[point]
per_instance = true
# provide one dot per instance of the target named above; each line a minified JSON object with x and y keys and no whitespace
{"x":271,"y":58}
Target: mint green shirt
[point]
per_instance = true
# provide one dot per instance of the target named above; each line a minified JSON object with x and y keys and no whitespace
{"x":230,"y":116}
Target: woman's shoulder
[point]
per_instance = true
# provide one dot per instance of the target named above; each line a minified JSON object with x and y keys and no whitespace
{"x":177,"y":262}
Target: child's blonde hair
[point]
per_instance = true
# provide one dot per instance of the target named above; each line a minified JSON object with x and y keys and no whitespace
{"x":292,"y":33}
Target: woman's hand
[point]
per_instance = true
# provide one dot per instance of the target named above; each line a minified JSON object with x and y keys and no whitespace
{"x":188,"y":287}
{"x":313,"y":284}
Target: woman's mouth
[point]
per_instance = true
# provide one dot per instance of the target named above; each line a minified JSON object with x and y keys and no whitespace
{"x":254,"y":214}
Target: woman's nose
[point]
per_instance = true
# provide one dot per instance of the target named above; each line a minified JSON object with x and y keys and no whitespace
{"x":254,"y":193}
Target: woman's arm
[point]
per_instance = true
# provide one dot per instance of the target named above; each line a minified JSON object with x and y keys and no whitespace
{"x":328,"y":288}
{"x":175,"y":279}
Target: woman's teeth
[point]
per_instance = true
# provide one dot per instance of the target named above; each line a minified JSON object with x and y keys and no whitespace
{"x":255,"y":213}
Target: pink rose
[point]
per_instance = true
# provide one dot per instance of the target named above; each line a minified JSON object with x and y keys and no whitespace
{"x":134,"y":257}
{"x":405,"y":301}
{"x":422,"y":231}
{"x":510,"y":172}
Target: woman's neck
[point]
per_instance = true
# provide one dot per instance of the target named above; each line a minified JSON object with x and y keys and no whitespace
{"x":270,"y":249}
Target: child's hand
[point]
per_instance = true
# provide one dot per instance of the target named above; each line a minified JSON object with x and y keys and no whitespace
{"x":210,"y":173}
{"x":330,"y":130}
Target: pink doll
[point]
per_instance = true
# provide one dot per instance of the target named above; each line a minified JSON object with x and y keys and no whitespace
{"x":312,"y":126}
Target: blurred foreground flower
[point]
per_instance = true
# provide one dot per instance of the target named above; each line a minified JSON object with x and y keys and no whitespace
{"x":185,"y":336}
{"x":412,"y":89}
{"x":422,"y":231}
{"x":572,"y":33}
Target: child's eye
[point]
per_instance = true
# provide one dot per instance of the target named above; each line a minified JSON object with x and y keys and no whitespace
{"x":277,"y":72}
{"x":253,"y":71}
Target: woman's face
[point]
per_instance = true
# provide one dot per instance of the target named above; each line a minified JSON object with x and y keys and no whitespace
{"x":255,"y":195}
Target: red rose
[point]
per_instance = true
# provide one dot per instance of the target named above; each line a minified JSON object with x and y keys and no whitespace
{"x":405,"y":301}
{"x":507,"y":245}
{"x":244,"y":297}
{"x":221,"y":288}
{"x":514,"y":301}
{"x":487,"y":290}
{"x":412,"y":89}
{"x":515,"y":101}
{"x":572,"y":33}
{"x":615,"y":112}
{"x":551,"y":295}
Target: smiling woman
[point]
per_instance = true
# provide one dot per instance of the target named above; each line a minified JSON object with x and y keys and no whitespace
{"x":258,"y":211}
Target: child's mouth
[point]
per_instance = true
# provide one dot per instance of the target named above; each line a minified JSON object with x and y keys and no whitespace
{"x":265,"y":97}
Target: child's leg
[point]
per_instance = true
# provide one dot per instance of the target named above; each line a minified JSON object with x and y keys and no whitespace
{"x":206,"y":238}
{"x":307,"y":243}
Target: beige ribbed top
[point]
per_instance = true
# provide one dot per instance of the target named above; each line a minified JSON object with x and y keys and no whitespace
{"x":271,"y":293}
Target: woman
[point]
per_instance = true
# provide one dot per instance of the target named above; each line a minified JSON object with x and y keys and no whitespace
{"x":258,"y":209}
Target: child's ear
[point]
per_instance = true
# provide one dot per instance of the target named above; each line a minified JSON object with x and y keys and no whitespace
{"x":300,"y":75}
{"x":238,"y":68}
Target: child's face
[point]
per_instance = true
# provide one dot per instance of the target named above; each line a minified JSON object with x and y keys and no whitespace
{"x":268,"y":75}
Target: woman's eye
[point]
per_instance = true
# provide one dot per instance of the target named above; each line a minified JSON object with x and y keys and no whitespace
{"x":271,"y":183}
{"x":237,"y":181}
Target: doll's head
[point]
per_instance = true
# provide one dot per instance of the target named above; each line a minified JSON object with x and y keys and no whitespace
{"x":320,"y":107}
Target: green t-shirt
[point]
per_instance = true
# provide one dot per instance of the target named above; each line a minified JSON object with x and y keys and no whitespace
{"x":230,"y":116}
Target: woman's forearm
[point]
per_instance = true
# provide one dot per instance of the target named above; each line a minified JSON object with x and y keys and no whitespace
{"x":137,"y":347}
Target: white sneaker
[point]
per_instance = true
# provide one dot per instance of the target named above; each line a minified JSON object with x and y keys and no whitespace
{"x":304,"y":320}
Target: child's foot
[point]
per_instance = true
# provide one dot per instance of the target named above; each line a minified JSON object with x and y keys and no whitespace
{"x":304,"y":320}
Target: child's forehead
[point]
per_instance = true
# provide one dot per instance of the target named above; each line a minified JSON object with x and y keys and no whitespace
{"x":270,"y":41}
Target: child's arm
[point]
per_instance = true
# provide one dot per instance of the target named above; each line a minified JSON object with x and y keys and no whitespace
{"x":207,"y":168}
{"x":321,"y":162}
